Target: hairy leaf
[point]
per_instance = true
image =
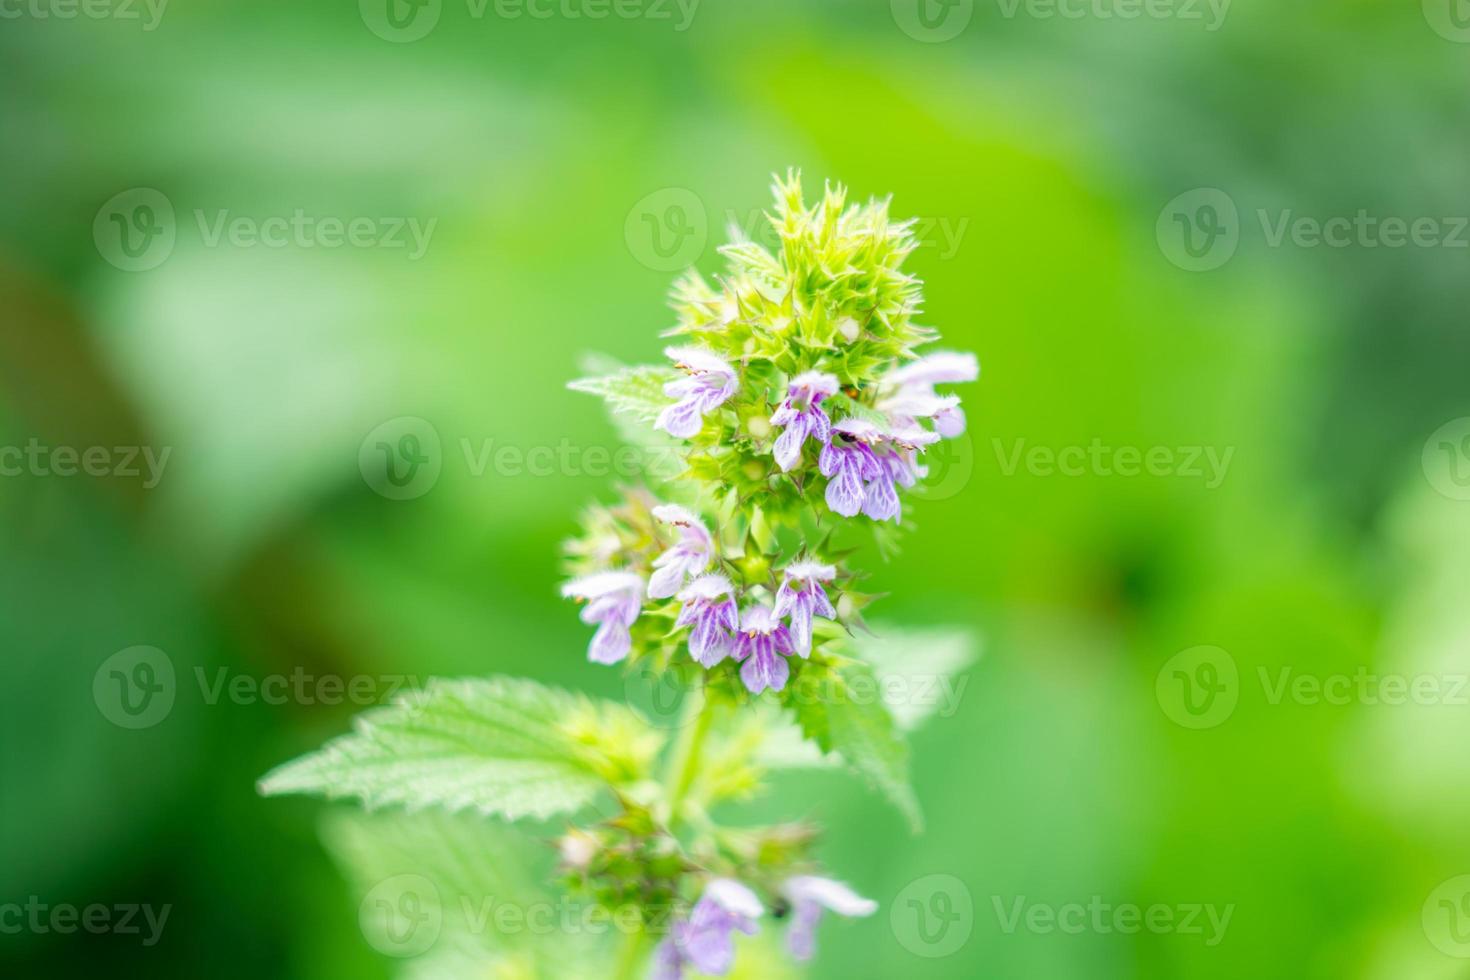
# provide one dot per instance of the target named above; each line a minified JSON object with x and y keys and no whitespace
{"x":635,"y":391}
{"x":842,"y":710}
{"x":496,"y":746}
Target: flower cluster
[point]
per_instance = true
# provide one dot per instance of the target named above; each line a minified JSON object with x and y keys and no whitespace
{"x":799,"y":403}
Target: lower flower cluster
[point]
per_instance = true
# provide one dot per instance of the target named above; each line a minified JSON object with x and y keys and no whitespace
{"x":706,"y":939}
{"x":759,"y":636}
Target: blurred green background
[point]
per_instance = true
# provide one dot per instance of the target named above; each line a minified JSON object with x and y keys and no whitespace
{"x":1047,"y":156}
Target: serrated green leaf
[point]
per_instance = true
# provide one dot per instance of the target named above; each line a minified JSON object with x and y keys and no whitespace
{"x":634,"y":391}
{"x":497,"y":746}
{"x":841,"y":709}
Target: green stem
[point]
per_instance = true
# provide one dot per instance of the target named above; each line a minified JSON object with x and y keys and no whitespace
{"x":684,"y":766}
{"x":631,"y":956}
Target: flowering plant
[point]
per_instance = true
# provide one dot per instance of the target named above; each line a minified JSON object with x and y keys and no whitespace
{"x":799,"y":404}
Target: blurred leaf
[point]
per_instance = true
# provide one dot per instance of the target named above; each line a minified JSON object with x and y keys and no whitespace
{"x":455,"y":871}
{"x":918,"y":670}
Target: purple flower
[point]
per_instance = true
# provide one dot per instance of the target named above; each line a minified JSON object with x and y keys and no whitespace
{"x":707,"y":940}
{"x":709,"y":607}
{"x":898,"y":456}
{"x":689,"y":556}
{"x":909,"y":391}
{"x":763,"y":644}
{"x":801,"y":596}
{"x":801,"y":415}
{"x":865,"y":465}
{"x":848,"y":464}
{"x":810,"y":897}
{"x":614,"y":600}
{"x":709,"y":383}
